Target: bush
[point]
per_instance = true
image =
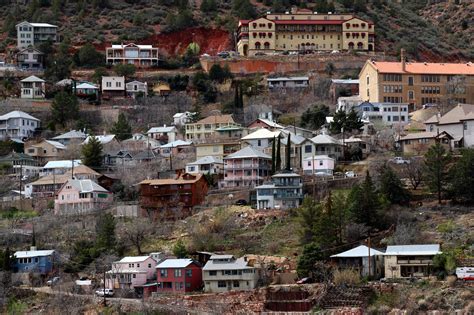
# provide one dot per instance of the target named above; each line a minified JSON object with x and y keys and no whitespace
{"x":346,"y":277}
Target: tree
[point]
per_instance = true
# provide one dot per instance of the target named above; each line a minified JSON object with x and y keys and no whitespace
{"x":88,"y":56}
{"x":314,"y":117}
{"x":414,"y":172}
{"x":364,"y":203}
{"x":208,"y":6}
{"x":125,"y":70}
{"x":59,"y":64}
{"x":121,"y":128}
{"x":136,"y":233}
{"x":65,"y":107}
{"x":105,"y":232}
{"x":273,"y":156}
{"x":310,"y":256}
{"x":99,"y":73}
{"x":179,"y":250}
{"x":92,"y":153}
{"x":462,"y":180}
{"x":278,"y":155}
{"x":7,"y":263}
{"x":330,"y":68}
{"x":219,"y":74}
{"x":391,"y":186}
{"x":288,"y":153}
{"x":347,"y":122}
{"x":244,"y":9}
{"x":436,"y":169}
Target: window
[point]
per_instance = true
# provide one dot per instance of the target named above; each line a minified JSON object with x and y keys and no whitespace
{"x":108,"y":84}
{"x":308,"y":148}
{"x":213,"y":273}
{"x":164,"y":273}
{"x":118,"y":84}
{"x":259,"y":143}
{"x":430,"y":78}
{"x":134,"y":276}
{"x":177,"y":273}
{"x":368,"y":80}
{"x":221,"y":284}
{"x":393,"y":77}
{"x":411,"y":95}
{"x":410,"y":81}
{"x":236,"y":284}
{"x":189,"y":272}
{"x":320,"y":163}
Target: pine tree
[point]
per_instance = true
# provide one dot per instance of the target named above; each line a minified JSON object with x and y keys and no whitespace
{"x":273,"y":156}
{"x":364,"y":203}
{"x":278,"y":156}
{"x":121,"y":128}
{"x":288,"y":153}
{"x":392,"y":187}
{"x":462,"y":181}
{"x":105,"y":232}
{"x":436,"y":161}
{"x":7,"y":263}
{"x":179,"y":250}
{"x":92,"y":153}
{"x":65,"y":107}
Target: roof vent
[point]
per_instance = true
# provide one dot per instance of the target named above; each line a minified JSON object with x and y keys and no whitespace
{"x":329,"y":12}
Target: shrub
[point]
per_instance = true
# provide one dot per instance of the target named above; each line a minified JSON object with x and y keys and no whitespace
{"x":346,"y":277}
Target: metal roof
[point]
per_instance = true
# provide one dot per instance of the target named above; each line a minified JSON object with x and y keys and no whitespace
{"x":248,"y":152}
{"x":207,"y":160}
{"x":32,"y":78}
{"x":86,"y":185}
{"x":133,"y":259}
{"x":73,"y":134}
{"x":17,"y":114}
{"x":177,"y":143}
{"x":425,"y":249}
{"x":288,"y":79}
{"x":237,"y":264}
{"x":325,"y":139}
{"x":262,"y":133}
{"x":175,"y":263}
{"x":103,"y":139}
{"x":62,"y":164}
{"x":87,"y":86}
{"x":359,"y":251}
{"x":345,"y":81}
{"x":162,"y":129}
{"x":33,"y":253}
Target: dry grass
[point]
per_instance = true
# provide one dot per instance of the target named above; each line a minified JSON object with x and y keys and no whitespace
{"x":346,"y":277}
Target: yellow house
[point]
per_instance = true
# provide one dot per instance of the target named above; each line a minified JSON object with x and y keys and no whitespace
{"x":217,"y":149}
{"x":208,"y":127}
{"x":417,"y":83}
{"x":162,"y":89}
{"x":303,"y":30}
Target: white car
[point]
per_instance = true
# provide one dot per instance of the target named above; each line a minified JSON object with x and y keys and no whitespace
{"x":465,"y":273}
{"x":105,"y":292}
{"x":350,"y":174}
{"x":399,"y":160}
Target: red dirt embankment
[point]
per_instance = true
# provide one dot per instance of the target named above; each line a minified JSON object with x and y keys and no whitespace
{"x":211,"y":41}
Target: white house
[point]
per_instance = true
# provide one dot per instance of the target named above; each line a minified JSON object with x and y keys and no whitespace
{"x":323,"y":144}
{"x":32,"y":34}
{"x":358,"y":258}
{"x":387,"y":113}
{"x":59,"y":167}
{"x":346,"y":103}
{"x":164,"y":134}
{"x":406,"y":261}
{"x":130,"y":271}
{"x":288,"y":82}
{"x":136,"y":88}
{"x":180,"y":119}
{"x":32,"y":87}
{"x":319,"y":164}
{"x":261,"y":139}
{"x":30,"y":58}
{"x":113,"y":86}
{"x":138,"y":55}
{"x":17,"y":125}
{"x":223,"y":273}
{"x":206,"y":165}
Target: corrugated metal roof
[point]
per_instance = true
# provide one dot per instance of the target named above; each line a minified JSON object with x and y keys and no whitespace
{"x":207,"y":160}
{"x":238,"y":264}
{"x":162,"y":129}
{"x":34,"y":253}
{"x":86,"y":185}
{"x":32,"y":78}
{"x":17,"y":114}
{"x":133,"y":259}
{"x":177,"y":143}
{"x":325,"y":139}
{"x":73,"y":134}
{"x":175,"y":263}
{"x":262,"y":133}
{"x":424,"y":249}
{"x":248,"y":152}
{"x":359,"y":251}
{"x":62,"y":164}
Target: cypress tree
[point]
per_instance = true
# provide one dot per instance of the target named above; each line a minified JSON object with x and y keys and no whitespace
{"x":122,"y":128}
{"x":288,"y":153}
{"x":278,"y":156}
{"x":273,"y":155}
{"x":7,"y":260}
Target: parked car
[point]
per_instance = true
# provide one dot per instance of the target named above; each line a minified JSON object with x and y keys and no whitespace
{"x":399,"y":160}
{"x":223,"y":54}
{"x":350,"y":174}
{"x":286,"y":52}
{"x":241,"y":202}
{"x":465,"y":273}
{"x":52,"y":281}
{"x":259,"y":53}
{"x":335,"y":52}
{"x":293,"y":53}
{"x":105,"y":292}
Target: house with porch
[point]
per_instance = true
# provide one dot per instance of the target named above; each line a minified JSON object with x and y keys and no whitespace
{"x":206,"y":165}
{"x":408,"y":261}
{"x":59,"y":167}
{"x":33,"y":88}
{"x":136,"y":88}
{"x":78,"y":196}
{"x":175,"y":147}
{"x":178,"y":276}
{"x":35,"y":261}
{"x":30,"y":58}
{"x":45,"y":151}
{"x":260,"y":139}
{"x":17,"y":125}
{"x":358,"y":258}
{"x":131,"y":272}
{"x":205,"y":128}
{"x":264,"y":123}
{"x":164,"y":134}
{"x":142,"y":56}
{"x":247,"y":167}
{"x":324,"y":144}
{"x":86,"y":89}
{"x":285,"y":192}
{"x":224,"y":273}
{"x":218,"y":149}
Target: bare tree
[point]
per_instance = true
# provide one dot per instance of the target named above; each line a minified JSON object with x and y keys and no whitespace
{"x":414,"y":172}
{"x":136,"y":232}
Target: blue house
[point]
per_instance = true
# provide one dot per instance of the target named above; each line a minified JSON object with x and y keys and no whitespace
{"x":38,"y":261}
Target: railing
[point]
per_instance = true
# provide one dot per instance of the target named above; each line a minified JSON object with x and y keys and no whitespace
{"x":415,"y":261}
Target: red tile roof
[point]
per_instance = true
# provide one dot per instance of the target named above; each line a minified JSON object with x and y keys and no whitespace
{"x":425,"y":68}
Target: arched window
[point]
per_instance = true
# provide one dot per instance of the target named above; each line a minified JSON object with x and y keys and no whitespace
{"x":348,"y":25}
{"x":351,"y":45}
{"x":269,"y":25}
{"x":259,"y":46}
{"x":360,"y":46}
{"x":266,"y":45}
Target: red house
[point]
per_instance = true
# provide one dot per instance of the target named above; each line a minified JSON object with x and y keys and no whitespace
{"x":172,"y":198}
{"x":178,"y":276}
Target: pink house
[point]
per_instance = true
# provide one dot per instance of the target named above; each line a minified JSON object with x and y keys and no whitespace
{"x":247,"y":167}
{"x":81,"y":196}
{"x":131,"y":272}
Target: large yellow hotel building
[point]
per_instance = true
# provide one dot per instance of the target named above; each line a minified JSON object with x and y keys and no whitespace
{"x":303,"y":30}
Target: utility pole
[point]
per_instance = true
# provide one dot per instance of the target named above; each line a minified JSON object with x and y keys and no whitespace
{"x":370,"y":267}
{"x":21,"y":184}
{"x":314,"y":179}
{"x":171,"y":158}
{"x":72,"y":168}
{"x":105,"y":301}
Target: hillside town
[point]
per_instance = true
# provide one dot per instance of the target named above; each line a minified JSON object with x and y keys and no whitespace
{"x":300,"y":169}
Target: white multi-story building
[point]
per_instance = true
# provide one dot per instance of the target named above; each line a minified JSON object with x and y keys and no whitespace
{"x":286,"y":192}
{"x":136,"y":88}
{"x":113,"y":86}
{"x":138,"y":55}
{"x":388,"y":113}
{"x":17,"y":125}
{"x":31,"y":34}
{"x":32,"y":87}
{"x":223,"y":273}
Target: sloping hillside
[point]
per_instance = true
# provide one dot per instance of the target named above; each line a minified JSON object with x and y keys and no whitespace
{"x":434,"y":32}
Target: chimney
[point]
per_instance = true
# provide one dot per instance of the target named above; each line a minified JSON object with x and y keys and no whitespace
{"x":32,"y":248}
{"x":402,"y":58}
